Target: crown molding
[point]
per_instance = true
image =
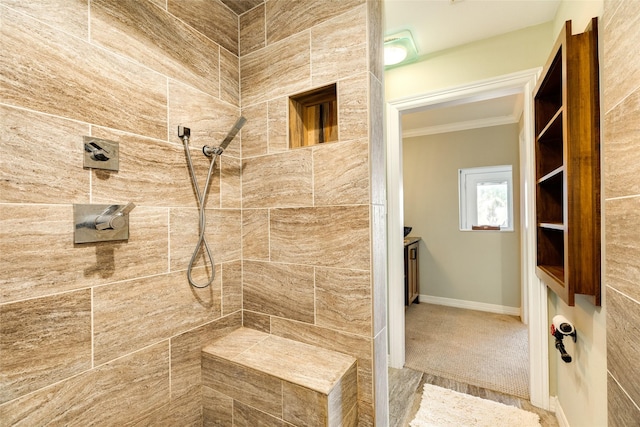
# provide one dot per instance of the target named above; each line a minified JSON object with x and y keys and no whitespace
{"x":458,"y":126}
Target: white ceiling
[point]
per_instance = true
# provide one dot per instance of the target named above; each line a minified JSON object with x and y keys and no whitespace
{"x":492,"y":112}
{"x":443,"y":24}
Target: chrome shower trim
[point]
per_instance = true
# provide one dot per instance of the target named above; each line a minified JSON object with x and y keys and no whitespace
{"x":217,"y":151}
{"x":184,"y":133}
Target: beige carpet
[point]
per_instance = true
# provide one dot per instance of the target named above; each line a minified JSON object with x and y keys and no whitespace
{"x":441,"y":407}
{"x":473,"y":347}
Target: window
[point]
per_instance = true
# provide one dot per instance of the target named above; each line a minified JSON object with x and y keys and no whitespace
{"x":486,"y":198}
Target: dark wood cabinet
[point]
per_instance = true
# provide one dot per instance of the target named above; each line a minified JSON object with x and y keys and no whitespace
{"x":567,"y":158}
{"x":411,"y":277}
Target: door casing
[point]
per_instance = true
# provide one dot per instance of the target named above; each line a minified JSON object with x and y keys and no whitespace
{"x":534,"y":293}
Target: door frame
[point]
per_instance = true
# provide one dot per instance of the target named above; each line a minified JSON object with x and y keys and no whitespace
{"x":534,"y":292}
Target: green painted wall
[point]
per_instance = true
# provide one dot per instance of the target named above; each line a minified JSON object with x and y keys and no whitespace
{"x":477,"y":266}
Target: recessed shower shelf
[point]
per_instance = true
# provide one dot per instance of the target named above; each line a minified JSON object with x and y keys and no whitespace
{"x":313,"y":117}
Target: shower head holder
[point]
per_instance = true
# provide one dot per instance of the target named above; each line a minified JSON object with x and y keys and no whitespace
{"x":184,"y":132}
{"x":209,"y":151}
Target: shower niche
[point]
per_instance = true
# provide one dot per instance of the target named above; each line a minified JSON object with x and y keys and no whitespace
{"x":313,"y":117}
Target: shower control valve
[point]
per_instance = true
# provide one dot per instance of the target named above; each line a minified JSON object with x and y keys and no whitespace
{"x":97,"y":153}
{"x":113,"y":217}
{"x":101,"y":154}
{"x":101,"y":223}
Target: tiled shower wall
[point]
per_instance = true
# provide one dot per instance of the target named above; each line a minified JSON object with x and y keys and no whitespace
{"x":110,"y":333}
{"x":312,"y":217}
{"x":621,"y":108}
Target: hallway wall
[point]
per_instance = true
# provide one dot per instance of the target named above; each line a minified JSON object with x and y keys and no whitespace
{"x":620,"y":26}
{"x":580,"y":386}
{"x":476,"y":266}
{"x":110,"y":333}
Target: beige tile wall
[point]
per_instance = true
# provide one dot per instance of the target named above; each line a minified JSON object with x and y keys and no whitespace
{"x":252,"y":30}
{"x":314,"y":246}
{"x":621,"y":145}
{"x":285,"y":18}
{"x":110,"y":333}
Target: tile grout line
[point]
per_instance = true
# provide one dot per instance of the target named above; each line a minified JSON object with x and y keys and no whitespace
{"x":630,"y":196}
{"x":170,"y":371}
{"x":623,"y":294}
{"x":93,"y":358}
{"x":623,"y":389}
{"x":168,"y":240}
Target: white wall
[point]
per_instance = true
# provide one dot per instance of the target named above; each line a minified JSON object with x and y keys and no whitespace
{"x":581,"y":386}
{"x":477,"y":266}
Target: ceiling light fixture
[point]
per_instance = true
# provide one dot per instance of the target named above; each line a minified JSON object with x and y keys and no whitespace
{"x":399,"y":49}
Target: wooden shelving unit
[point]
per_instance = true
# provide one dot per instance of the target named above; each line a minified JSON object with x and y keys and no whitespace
{"x":567,"y":126}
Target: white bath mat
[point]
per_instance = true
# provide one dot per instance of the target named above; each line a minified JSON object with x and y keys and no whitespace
{"x":441,"y":407}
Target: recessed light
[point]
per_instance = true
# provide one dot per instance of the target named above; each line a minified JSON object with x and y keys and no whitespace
{"x":399,"y":49}
{"x":394,"y":54}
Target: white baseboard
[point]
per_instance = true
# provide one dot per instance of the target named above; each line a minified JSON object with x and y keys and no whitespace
{"x":560,"y":416}
{"x":471,"y":305}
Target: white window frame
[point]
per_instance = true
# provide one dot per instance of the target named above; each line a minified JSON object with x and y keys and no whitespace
{"x":468,"y":179}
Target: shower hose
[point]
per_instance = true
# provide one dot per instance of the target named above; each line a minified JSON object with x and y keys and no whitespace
{"x":202,"y":240}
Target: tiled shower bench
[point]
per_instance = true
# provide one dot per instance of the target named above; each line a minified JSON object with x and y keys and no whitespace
{"x":252,"y":378}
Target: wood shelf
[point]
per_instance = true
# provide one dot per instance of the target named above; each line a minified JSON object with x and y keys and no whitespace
{"x":552,"y":225}
{"x":567,"y":158}
{"x":554,"y":273}
{"x":553,"y":174}
{"x":555,"y":123}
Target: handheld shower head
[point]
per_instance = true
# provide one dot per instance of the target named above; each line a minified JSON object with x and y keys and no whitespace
{"x":233,"y":132}
{"x":210,"y":151}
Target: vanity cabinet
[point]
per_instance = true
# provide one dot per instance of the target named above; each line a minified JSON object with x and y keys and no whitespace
{"x":567,"y":161}
{"x":411,"y":282}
